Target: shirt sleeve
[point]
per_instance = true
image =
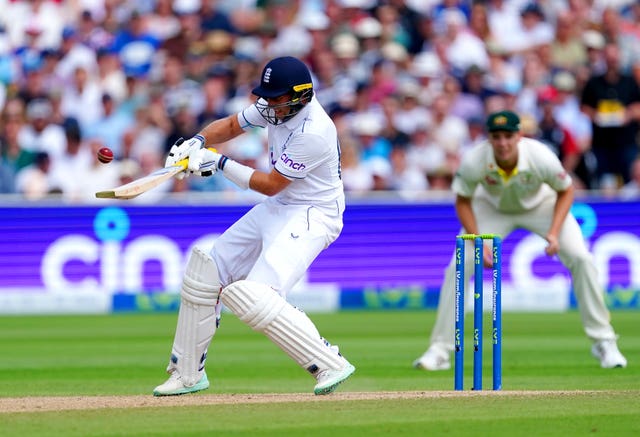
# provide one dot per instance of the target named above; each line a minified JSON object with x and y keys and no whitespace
{"x":303,"y":153}
{"x":551,"y":170}
{"x":466,"y":178}
{"x":250,"y":117}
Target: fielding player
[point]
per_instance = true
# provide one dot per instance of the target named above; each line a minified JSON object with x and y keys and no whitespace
{"x":511,"y":182}
{"x":259,"y":258}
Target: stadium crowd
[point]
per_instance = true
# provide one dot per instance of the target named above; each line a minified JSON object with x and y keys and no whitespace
{"x":408,"y":83}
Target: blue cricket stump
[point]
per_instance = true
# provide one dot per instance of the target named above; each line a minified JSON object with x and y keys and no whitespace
{"x":478,"y":310}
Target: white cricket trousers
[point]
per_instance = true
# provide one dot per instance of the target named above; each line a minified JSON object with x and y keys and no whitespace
{"x":573,"y":254}
{"x":274,"y":244}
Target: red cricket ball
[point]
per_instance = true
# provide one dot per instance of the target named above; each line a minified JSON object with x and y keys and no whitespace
{"x":105,"y":155}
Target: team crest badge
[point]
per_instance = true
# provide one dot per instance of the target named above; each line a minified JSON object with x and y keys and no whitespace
{"x":500,"y":120}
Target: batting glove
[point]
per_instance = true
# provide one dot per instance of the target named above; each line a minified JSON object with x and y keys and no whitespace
{"x":182,"y":149}
{"x":204,"y":162}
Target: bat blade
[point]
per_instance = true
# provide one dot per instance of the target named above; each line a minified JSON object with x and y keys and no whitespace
{"x":142,"y":185}
{"x":146,"y":183}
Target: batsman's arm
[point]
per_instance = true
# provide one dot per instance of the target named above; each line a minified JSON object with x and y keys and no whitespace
{"x":221,"y":130}
{"x":225,"y":129}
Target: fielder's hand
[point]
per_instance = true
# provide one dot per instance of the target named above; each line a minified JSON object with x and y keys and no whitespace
{"x":203,"y":162}
{"x":182,"y":149}
{"x":553,"y":247}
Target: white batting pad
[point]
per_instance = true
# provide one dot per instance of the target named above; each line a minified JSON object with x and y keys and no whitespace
{"x":260,"y":307}
{"x":197,"y":318}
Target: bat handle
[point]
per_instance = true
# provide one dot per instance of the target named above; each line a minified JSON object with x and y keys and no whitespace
{"x":185,"y":162}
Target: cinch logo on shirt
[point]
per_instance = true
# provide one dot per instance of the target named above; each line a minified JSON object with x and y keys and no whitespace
{"x":291,"y":163}
{"x":267,"y":75}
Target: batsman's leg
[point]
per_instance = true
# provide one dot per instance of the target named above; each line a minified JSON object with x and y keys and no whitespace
{"x":197,"y":323}
{"x":260,"y":307}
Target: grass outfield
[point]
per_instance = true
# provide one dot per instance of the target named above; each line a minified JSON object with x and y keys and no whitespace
{"x":93,"y":375}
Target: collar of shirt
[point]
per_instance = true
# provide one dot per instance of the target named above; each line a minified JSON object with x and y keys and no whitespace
{"x":522,"y":165}
{"x":295,"y":121}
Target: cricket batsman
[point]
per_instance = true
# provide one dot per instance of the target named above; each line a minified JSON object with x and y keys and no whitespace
{"x":255,"y":262}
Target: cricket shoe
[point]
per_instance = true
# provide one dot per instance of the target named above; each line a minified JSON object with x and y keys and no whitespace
{"x":330,"y":379}
{"x":435,"y":358}
{"x":608,"y":353}
{"x":174,"y":386}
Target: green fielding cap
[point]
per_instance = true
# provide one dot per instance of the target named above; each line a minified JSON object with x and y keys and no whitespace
{"x":503,"y":120}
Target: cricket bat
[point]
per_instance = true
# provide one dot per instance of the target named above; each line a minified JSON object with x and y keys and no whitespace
{"x":146,"y":183}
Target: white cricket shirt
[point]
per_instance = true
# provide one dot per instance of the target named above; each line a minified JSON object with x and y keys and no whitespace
{"x":305,"y":150}
{"x":538,"y":176}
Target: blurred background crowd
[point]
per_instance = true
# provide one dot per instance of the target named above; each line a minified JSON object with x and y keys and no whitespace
{"x":408,"y":83}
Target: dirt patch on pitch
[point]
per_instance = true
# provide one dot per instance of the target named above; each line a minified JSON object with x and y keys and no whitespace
{"x":55,"y":403}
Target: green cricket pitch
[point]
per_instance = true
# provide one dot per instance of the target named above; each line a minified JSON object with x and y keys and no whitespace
{"x":93,"y":375}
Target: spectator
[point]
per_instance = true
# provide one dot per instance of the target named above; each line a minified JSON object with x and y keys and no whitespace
{"x":477,"y":133}
{"x":534,"y":30}
{"x":39,"y":134}
{"x":503,"y":72}
{"x":81,"y":98}
{"x":413,"y":24}
{"x":423,"y":152}
{"x":73,"y":55}
{"x":367,"y":129}
{"x":34,"y":86}
{"x":110,"y":78}
{"x":13,"y":156}
{"x":450,"y":132}
{"x":291,"y":37}
{"x":43,"y":17}
{"x":410,"y":114}
{"x":217,"y":90}
{"x":382,"y":81}
{"x":183,"y":125}
{"x":90,"y":31}
{"x":368,"y":30}
{"x":479,"y":22}
{"x":467,"y":98}
{"x":557,"y":137}
{"x":429,"y":72}
{"x":93,"y":177}
{"x":612,"y":102}
{"x":504,"y":22}
{"x":627,"y":44}
{"x":110,"y":127}
{"x":381,"y":173}
{"x":33,"y":181}
{"x":394,"y":30}
{"x":463,"y":49}
{"x":406,"y":176}
{"x":180,"y":91}
{"x":567,"y":112}
{"x":594,"y":43}
{"x":146,"y":134}
{"x":631,"y":190}
{"x":567,"y":50}
{"x":190,"y":31}
{"x":215,"y":18}
{"x":162,"y":23}
{"x":136,"y":47}
{"x":356,"y":177}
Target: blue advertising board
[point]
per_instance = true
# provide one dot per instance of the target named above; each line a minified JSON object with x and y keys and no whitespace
{"x":389,"y":255}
